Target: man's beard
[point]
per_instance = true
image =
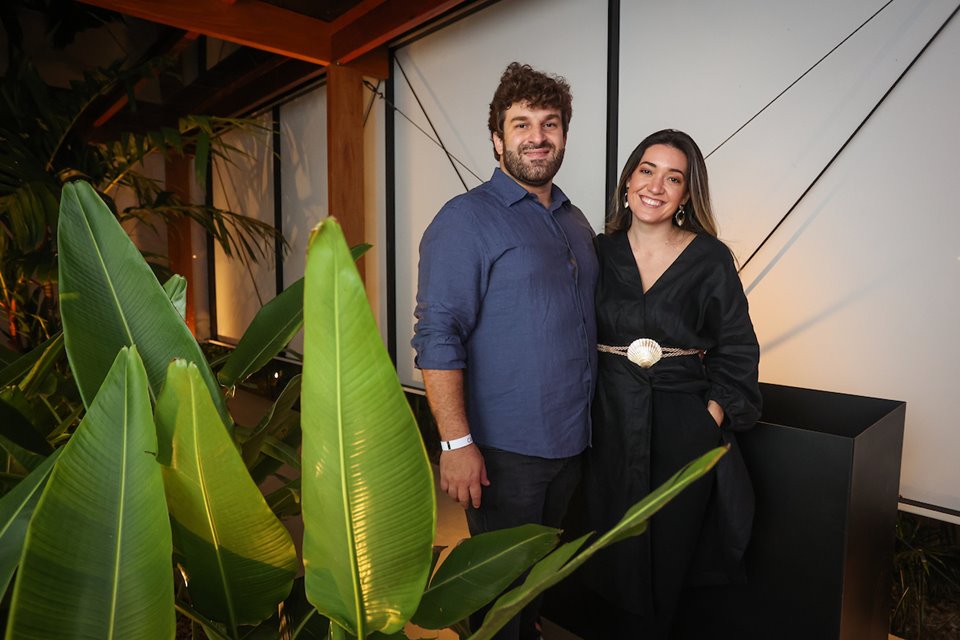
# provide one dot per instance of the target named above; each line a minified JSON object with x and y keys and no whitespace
{"x":535,"y":174}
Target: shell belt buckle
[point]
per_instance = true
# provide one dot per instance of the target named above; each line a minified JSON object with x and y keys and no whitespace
{"x":644,"y":352}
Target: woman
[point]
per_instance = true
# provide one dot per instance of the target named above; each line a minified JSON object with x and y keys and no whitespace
{"x":665,"y":276}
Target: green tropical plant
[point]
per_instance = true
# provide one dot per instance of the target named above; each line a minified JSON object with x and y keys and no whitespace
{"x":162,"y":478}
{"x":16,"y":510}
{"x":98,"y":543}
{"x":100,"y":271}
{"x":39,"y":404}
{"x":238,"y":558}
{"x":45,"y":142}
{"x":370,"y":480}
{"x":926,"y":567}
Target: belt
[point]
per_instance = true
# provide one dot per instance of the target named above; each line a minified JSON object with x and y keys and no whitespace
{"x":645,"y":352}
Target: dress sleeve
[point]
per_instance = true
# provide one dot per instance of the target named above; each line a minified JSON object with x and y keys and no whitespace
{"x":732,"y":365}
{"x":451,"y":283}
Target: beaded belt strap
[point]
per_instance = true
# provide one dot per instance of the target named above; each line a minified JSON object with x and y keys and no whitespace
{"x":646,"y":352}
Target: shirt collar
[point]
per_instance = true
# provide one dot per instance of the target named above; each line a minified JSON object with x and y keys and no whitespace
{"x":511,"y":192}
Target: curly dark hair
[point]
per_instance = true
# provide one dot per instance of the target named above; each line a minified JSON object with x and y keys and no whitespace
{"x":523,"y":83}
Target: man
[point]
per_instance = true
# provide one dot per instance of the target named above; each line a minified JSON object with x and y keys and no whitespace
{"x":505,"y":332}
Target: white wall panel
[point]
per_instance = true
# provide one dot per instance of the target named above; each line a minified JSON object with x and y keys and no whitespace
{"x":149,"y":236}
{"x":303,"y":157}
{"x":858,"y":291}
{"x":244,"y":185}
{"x":455,"y":71}
{"x":711,"y":91}
{"x":303,"y":161}
{"x":305,"y":196}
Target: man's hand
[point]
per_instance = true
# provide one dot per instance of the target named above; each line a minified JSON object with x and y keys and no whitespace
{"x":462,"y":473}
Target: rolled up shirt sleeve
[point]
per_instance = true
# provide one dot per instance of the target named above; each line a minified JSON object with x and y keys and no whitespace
{"x":452,"y":277}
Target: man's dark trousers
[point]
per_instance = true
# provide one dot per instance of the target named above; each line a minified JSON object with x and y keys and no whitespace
{"x":523,"y":490}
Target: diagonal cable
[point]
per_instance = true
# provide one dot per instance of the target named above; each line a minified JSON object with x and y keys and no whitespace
{"x":430,"y":122}
{"x":396,"y":109}
{"x":851,"y":137}
{"x":789,"y":86}
{"x":373,"y":99}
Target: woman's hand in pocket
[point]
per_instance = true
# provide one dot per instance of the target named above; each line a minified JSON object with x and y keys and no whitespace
{"x":716,"y":412}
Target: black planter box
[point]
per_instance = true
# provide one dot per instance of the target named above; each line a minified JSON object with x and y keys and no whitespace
{"x":826,"y":473}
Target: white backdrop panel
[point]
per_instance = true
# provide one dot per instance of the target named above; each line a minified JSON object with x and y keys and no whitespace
{"x":857,"y":292}
{"x":455,"y":72}
{"x":749,"y":51}
{"x":244,"y":185}
{"x":303,"y":162}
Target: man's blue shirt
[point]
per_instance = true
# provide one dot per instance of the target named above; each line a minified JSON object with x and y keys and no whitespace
{"x":506,"y":293}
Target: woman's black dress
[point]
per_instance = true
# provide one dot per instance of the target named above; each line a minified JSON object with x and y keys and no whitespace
{"x":647,"y":423}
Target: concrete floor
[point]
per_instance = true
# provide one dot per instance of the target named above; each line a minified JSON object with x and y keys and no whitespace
{"x":451,"y":529}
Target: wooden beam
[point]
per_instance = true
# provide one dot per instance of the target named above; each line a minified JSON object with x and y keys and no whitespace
{"x":355,"y":12}
{"x":383,"y":23}
{"x":243,"y":82}
{"x":171,"y":42}
{"x":374,"y":64}
{"x":251,"y":23}
{"x":147,"y":117}
{"x":240,"y":83}
{"x":345,"y":152}
{"x":173,"y":45}
{"x":179,"y":233}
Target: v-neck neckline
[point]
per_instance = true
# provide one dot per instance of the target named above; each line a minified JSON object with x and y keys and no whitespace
{"x":670,"y":267}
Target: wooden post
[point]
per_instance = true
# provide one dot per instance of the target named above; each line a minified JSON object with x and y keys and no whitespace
{"x":179,"y":237}
{"x":345,"y":151}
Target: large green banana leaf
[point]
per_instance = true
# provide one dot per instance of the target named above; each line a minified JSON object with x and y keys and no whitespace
{"x":42,"y":368}
{"x":16,"y":509}
{"x":369,"y":508}
{"x":176,"y":289}
{"x":96,"y":561}
{"x":26,"y":458}
{"x":22,"y":365}
{"x":562,"y":562}
{"x":478,"y":570}
{"x":279,"y":417}
{"x":26,"y":386}
{"x":17,"y":427}
{"x":109,"y":298}
{"x":238,"y":558}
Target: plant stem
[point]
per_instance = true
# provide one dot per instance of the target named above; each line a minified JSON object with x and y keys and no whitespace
{"x":339,"y":633}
